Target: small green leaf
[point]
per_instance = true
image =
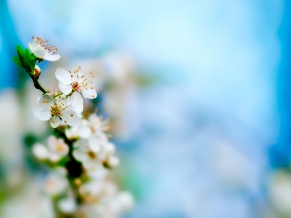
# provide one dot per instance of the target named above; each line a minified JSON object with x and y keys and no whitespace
{"x":20,"y":53}
{"x":63,"y":161}
{"x":33,"y":61}
{"x":27,"y":61}
{"x":17,"y":61}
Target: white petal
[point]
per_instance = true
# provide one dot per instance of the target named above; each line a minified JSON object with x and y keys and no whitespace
{"x":54,"y":157}
{"x":82,"y":145}
{"x":51,"y":142}
{"x":90,"y":93}
{"x":94,"y":143}
{"x":125,"y":201}
{"x":67,"y":205}
{"x":80,"y":156}
{"x":42,"y":113}
{"x":40,"y":151}
{"x":77,"y":102}
{"x":65,"y":88}
{"x":109,"y":148}
{"x":39,"y":51}
{"x":57,"y":146}
{"x":90,"y":163}
{"x":72,"y":133}
{"x":45,"y":100}
{"x":70,"y":117}
{"x":52,"y":57}
{"x":31,"y":47}
{"x":98,"y":172}
{"x":63,"y":76}
{"x":55,"y":121}
{"x":113,"y":161}
{"x":84,"y":130}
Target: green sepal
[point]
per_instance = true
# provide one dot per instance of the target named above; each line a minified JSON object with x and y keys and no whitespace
{"x":25,"y":59}
{"x":20,"y":53}
{"x":17,"y":61}
{"x":63,"y":161}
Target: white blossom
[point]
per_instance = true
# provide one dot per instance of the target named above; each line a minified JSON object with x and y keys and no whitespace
{"x":113,"y":161}
{"x":125,"y":201}
{"x":78,"y":83}
{"x":97,"y":171}
{"x":87,"y":153}
{"x":54,"y":151}
{"x":40,"y":151}
{"x":56,"y":183}
{"x":56,"y":109}
{"x":40,"y":50}
{"x":67,"y":205}
{"x":57,"y":147}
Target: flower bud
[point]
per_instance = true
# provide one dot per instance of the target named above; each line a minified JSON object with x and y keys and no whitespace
{"x":36,"y":71}
{"x":113,"y":161}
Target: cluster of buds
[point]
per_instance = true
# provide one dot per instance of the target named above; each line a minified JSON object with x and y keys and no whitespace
{"x":79,"y":153}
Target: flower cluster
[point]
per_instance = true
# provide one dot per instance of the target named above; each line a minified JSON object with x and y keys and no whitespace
{"x":79,"y":152}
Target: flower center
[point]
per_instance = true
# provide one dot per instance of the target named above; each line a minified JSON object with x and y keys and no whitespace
{"x":91,"y":154}
{"x":60,"y":147}
{"x":56,"y":110}
{"x":75,"y":86}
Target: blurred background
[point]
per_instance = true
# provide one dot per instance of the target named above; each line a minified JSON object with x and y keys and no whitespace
{"x":198,"y":93}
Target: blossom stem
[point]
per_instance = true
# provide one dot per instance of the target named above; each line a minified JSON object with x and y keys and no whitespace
{"x":58,"y":94}
{"x":37,"y":85}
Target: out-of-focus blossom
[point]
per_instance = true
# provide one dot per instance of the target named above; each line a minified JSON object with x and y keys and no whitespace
{"x":54,"y":151}
{"x":67,"y":205}
{"x":280,"y":191}
{"x":87,"y":153}
{"x":56,"y":182}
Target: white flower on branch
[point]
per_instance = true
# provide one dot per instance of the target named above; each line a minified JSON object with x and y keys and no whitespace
{"x":56,"y":182}
{"x":97,"y":172}
{"x":56,"y":109}
{"x":93,"y":126}
{"x":78,"y":83}
{"x":87,"y":153}
{"x":54,"y":151}
{"x":40,"y":50}
{"x":67,"y":205}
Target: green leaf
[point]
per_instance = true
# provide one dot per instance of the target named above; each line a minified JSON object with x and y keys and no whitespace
{"x":27,"y":61}
{"x":63,"y":161}
{"x":17,"y":61}
{"x":33,"y":61}
{"x":20,"y":53}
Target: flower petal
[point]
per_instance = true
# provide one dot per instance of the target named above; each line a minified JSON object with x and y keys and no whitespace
{"x":39,"y":51}
{"x":84,"y":130}
{"x":98,"y":172}
{"x":52,"y":57}
{"x":42,"y":113}
{"x":79,"y":155}
{"x":40,"y":151}
{"x":89,"y":93}
{"x":65,"y":88}
{"x":55,"y":121}
{"x":63,"y":76}
{"x":77,"y":102}
{"x":31,"y":47}
{"x":94,"y":143}
{"x":46,"y":100}
{"x":70,"y":117}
